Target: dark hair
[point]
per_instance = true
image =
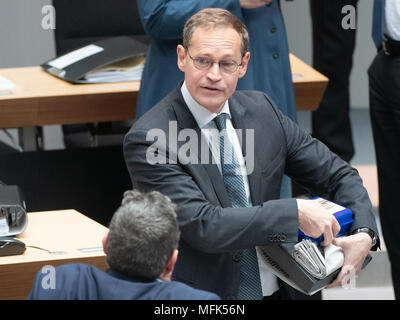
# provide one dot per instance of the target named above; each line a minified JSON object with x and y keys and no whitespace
{"x":212,"y":18}
{"x":143,"y":234}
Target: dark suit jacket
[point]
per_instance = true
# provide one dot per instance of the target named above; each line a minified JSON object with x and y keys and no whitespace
{"x":212,"y":233}
{"x":85,"y":282}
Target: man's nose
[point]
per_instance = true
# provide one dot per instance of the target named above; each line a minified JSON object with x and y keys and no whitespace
{"x":214,"y":73}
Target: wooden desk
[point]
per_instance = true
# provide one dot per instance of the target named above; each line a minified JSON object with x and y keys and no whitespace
{"x":41,"y":99}
{"x":65,"y":231}
{"x":309,"y":84}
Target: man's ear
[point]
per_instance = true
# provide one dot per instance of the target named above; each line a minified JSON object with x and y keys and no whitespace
{"x":169,"y":268}
{"x":245,"y":63}
{"x":105,"y":242}
{"x":181,"y":54}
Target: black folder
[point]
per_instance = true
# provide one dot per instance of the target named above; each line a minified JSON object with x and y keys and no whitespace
{"x":280,"y":258}
{"x":74,"y":65}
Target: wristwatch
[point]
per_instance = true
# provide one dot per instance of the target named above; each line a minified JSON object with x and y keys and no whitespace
{"x":370,"y":232}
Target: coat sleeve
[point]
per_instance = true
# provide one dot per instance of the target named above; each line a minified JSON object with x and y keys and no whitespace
{"x":313,"y":165}
{"x":164,"y":19}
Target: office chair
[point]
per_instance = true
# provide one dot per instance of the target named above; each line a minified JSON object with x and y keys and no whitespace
{"x":79,"y":23}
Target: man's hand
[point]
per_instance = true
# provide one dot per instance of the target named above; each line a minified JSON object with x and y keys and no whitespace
{"x":251,"y":4}
{"x":315,"y":221}
{"x":355,"y":249}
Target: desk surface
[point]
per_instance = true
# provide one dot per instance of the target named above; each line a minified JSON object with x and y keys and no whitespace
{"x":34,"y":82}
{"x":72,"y":236}
{"x":41,"y":99}
{"x":309,"y":85}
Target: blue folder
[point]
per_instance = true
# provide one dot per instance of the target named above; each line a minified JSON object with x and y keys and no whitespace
{"x":344,"y":217}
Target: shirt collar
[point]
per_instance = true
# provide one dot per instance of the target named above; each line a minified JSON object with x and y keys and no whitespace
{"x":202,"y":116}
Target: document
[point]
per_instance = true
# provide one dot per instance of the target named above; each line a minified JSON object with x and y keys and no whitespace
{"x":112,"y":59}
{"x":74,"y":56}
{"x":319,"y":261}
{"x":306,"y":265}
{"x":125,"y":70}
{"x":4,"y":227}
{"x":6,"y":85}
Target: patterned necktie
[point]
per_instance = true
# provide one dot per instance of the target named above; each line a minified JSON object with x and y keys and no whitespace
{"x":250,"y":284}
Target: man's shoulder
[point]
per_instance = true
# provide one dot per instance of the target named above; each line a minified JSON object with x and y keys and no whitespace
{"x":256,"y":104}
{"x":71,"y":268}
{"x":158,"y":115}
{"x":61,"y":281}
{"x":181,"y":291}
{"x":254,"y":97}
{"x":67,"y":269}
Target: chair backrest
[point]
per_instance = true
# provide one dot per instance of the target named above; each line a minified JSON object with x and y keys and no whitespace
{"x":80,"y":22}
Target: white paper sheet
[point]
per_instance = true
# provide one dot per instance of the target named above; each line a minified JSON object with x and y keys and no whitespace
{"x":308,"y":255}
{"x":74,"y":56}
{"x":4,"y":228}
{"x":6,"y":84}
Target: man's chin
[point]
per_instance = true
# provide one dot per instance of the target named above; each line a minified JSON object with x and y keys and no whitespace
{"x":212,"y":103}
{"x":213,"y":107}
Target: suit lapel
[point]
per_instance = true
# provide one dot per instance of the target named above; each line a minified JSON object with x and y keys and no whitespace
{"x":242,"y":120}
{"x":185,"y":120}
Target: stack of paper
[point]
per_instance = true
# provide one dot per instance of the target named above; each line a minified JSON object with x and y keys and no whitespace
{"x":318,"y":261}
{"x":125,"y":70}
{"x":6,"y":85}
{"x":4,"y":228}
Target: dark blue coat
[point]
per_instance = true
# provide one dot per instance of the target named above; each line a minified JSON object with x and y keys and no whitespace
{"x":86,"y":282}
{"x":269,"y":67}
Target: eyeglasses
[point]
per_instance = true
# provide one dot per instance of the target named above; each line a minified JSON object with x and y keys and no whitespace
{"x":204,"y":63}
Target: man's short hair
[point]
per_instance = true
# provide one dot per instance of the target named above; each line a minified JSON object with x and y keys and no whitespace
{"x":213,"y":18}
{"x":143,"y":234}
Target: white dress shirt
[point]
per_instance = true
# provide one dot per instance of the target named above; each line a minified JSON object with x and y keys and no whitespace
{"x":204,"y":119}
{"x":392,"y":19}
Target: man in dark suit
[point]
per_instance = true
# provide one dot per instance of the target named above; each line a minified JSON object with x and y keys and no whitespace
{"x":226,"y":184}
{"x":384,"y":98}
{"x":333,"y":48}
{"x":141,"y":248}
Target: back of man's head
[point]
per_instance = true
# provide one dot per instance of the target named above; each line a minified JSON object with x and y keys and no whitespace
{"x":143,"y":234}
